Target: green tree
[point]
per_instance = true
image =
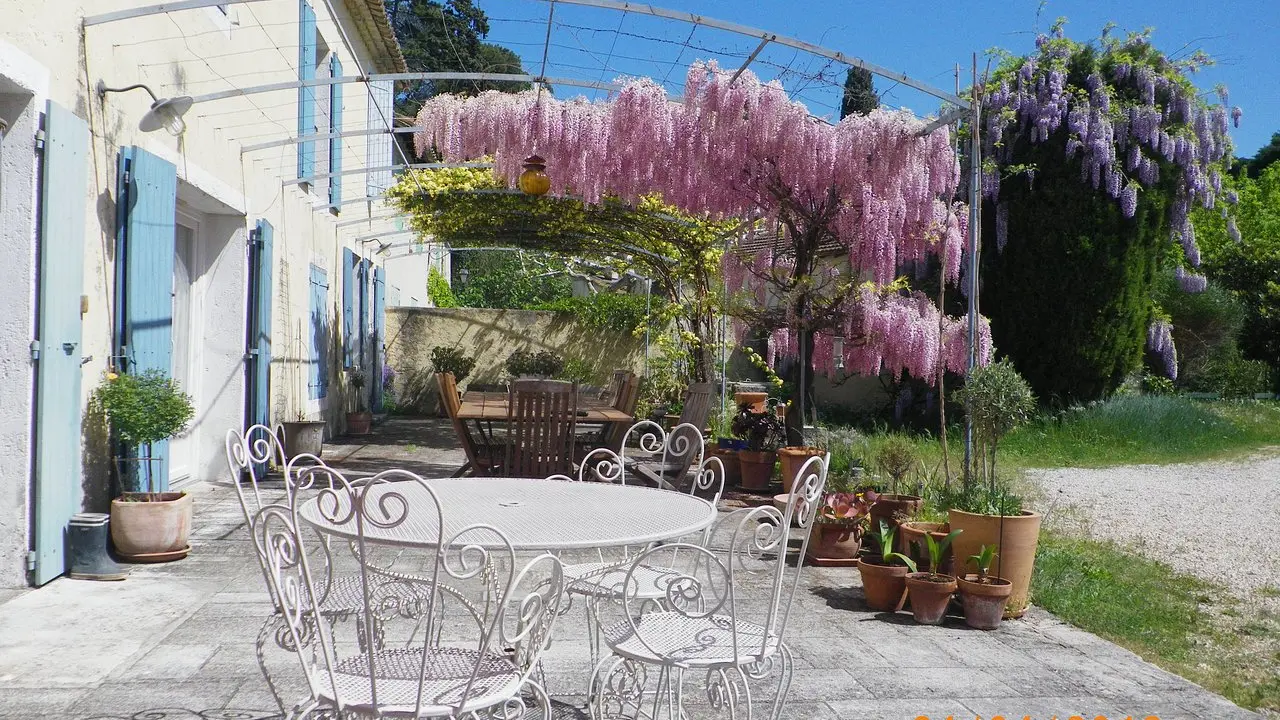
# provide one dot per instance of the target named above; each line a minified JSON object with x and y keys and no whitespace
{"x":1247,"y":261}
{"x":859,"y":93}
{"x":1263,"y":159}
{"x":504,"y":279}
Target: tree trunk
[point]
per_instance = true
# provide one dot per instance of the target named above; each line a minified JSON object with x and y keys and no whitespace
{"x":803,"y":388}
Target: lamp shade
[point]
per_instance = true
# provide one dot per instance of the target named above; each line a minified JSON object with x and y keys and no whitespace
{"x":166,"y":113}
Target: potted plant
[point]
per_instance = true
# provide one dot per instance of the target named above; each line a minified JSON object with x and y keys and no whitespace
{"x":360,"y":421}
{"x":884,"y":576}
{"x":763,"y":433}
{"x":836,"y":533}
{"x":726,"y":447}
{"x":147,"y":523}
{"x":911,"y":542}
{"x":527,"y":363}
{"x":997,"y":399}
{"x":984,"y":596}
{"x":449,"y":359}
{"x":931,"y":592}
{"x":302,"y":436}
{"x":792,"y":458}
{"x":895,"y":458}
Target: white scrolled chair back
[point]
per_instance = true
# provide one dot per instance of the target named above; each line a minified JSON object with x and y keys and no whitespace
{"x":681,"y":449}
{"x":499,"y":617}
{"x":247,"y":451}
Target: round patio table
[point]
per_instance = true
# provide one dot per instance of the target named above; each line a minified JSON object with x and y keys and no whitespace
{"x":533,"y":514}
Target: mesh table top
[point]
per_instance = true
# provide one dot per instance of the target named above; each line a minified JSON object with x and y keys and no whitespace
{"x":533,"y":514}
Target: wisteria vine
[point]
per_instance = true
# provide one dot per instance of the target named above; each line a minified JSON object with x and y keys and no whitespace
{"x":877,"y":190}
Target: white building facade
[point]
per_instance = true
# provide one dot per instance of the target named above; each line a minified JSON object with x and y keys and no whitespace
{"x":233,"y":256}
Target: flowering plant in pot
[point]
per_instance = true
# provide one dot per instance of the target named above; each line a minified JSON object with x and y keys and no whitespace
{"x":931,"y":591}
{"x":763,"y":432}
{"x":838,"y":526}
{"x":983,"y":595}
{"x":148,"y":523}
{"x":360,"y":421}
{"x":884,"y":575}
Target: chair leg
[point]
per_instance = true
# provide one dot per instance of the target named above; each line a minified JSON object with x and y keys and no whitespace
{"x":617,"y":685}
{"x":270,"y":626}
{"x":785,"y":671}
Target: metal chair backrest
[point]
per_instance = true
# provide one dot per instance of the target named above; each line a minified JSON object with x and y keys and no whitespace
{"x":469,"y":612}
{"x":542,"y":416}
{"x":453,"y":406}
{"x":626,"y":399}
{"x":672,"y":453}
{"x":708,"y":581}
{"x":697,"y":404}
{"x":248,"y":455}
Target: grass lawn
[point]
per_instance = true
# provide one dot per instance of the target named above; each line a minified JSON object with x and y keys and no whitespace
{"x":1181,"y":623}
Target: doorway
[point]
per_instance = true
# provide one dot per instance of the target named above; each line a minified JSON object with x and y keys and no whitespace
{"x":184,"y":338}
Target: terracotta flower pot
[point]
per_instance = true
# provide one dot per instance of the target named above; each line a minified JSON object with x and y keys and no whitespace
{"x":911,"y":543}
{"x":151,"y":530}
{"x":833,"y":545}
{"x":889,"y":507}
{"x":729,"y":460}
{"x":930,"y":595}
{"x":792,"y":459}
{"x":359,"y":423}
{"x":757,"y":468}
{"x":984,"y":601}
{"x":882,"y":585}
{"x":1015,"y":538}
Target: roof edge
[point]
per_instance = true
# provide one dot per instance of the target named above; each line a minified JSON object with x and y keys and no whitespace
{"x":375,"y":30}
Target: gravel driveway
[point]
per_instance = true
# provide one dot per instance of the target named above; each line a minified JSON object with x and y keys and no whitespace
{"x":1217,"y":520}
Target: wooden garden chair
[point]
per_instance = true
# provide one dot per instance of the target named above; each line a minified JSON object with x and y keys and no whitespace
{"x":481,"y":457}
{"x":669,"y":472}
{"x":542,"y":417}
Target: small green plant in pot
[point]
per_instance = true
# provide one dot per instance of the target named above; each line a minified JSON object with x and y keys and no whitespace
{"x":447,"y":359}
{"x":838,"y":527}
{"x":931,"y":591}
{"x":895,"y":458}
{"x":148,"y":523}
{"x":998,"y":400}
{"x":983,"y":595}
{"x":359,"y":422}
{"x":884,"y":574}
{"x":764,"y":433}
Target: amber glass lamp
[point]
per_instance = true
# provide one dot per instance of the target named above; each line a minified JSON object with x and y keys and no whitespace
{"x":534,"y":180}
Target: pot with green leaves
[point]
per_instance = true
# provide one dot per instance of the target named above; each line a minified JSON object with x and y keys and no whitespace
{"x":983,"y":595}
{"x":931,"y":592}
{"x":450,"y":359}
{"x":836,"y":534}
{"x":911,"y":542}
{"x":884,"y":574}
{"x":148,"y":523}
{"x":763,"y":433}
{"x":361,"y":421}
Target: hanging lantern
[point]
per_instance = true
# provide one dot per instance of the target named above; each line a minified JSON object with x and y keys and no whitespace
{"x":534,"y":180}
{"x":837,"y":349}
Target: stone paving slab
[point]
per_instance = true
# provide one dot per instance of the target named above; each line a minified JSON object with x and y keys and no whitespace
{"x":176,"y":642}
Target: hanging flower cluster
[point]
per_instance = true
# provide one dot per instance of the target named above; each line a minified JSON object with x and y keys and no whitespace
{"x":1130,"y":117}
{"x":1160,"y":342}
{"x":741,"y":148}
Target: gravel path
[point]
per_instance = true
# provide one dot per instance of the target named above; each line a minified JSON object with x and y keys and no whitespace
{"x":1217,"y":520}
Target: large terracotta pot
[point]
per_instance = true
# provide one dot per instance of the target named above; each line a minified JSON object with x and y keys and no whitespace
{"x":359,"y":423}
{"x":984,"y":603}
{"x":757,"y":400}
{"x":155,"y":530}
{"x":889,"y":507}
{"x":911,"y":543}
{"x":792,"y":459}
{"x":882,"y":585}
{"x":729,"y":461}
{"x":930,"y":595}
{"x":757,"y":468}
{"x":1015,"y":538}
{"x":832,"y":545}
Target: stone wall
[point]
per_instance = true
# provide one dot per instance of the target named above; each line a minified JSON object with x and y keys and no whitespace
{"x":491,"y":336}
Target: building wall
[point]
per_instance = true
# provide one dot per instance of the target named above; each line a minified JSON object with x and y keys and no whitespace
{"x":45,"y":52}
{"x":491,"y":336}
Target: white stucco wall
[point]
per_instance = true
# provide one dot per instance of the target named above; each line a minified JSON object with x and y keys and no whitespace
{"x":23,"y":85}
{"x":190,"y":52}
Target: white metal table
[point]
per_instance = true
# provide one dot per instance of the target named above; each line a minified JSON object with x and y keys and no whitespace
{"x":533,"y":514}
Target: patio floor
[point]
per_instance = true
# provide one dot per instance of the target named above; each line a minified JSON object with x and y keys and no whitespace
{"x":177,"y":640}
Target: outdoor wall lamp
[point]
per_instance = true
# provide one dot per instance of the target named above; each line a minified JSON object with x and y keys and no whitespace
{"x":164,"y":113}
{"x":837,"y":349}
{"x":534,"y":180}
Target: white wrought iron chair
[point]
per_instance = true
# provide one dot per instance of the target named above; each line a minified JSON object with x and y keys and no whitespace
{"x":705,"y":620}
{"x":248,"y":456}
{"x":602,"y":580}
{"x":662,"y":457}
{"x":461,"y":640}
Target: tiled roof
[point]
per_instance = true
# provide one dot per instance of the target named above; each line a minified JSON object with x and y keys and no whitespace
{"x":371,"y":21}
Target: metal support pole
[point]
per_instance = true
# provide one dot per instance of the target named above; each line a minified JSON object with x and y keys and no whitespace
{"x":975,"y":204}
{"x":648,"y":286}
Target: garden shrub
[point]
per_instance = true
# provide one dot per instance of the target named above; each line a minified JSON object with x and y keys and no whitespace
{"x":542,"y":363}
{"x":449,"y":359}
{"x":602,"y":311}
{"x":438,"y":290}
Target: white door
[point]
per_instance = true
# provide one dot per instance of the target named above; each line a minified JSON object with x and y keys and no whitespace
{"x":184,"y":274}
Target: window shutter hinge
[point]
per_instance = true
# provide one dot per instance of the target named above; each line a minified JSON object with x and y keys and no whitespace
{"x":35,"y":349}
{"x":31,"y":560}
{"x":255,"y":237}
{"x":40,"y":140}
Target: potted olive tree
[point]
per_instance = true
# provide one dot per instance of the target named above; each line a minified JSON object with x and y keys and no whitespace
{"x":147,"y":524}
{"x":360,"y":421}
{"x":997,"y":399}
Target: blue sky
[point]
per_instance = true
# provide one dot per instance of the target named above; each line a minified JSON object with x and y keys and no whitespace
{"x":925,"y":40}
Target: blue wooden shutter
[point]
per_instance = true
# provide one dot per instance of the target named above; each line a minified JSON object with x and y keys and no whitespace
{"x":306,"y":95}
{"x":348,"y":308}
{"x":258,"y":390}
{"x":379,"y":330}
{"x":144,"y":293}
{"x":362,"y":272}
{"x":318,"y":377}
{"x":335,"y":126}
{"x":64,"y":178}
